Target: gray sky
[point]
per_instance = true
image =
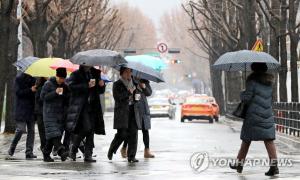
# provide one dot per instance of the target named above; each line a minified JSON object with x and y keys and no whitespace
{"x":154,"y":8}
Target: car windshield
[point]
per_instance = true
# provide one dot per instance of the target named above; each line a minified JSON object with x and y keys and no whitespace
{"x":195,"y":100}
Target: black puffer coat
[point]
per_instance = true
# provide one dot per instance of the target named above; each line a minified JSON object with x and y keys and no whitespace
{"x":25,"y":98}
{"x":80,"y":93}
{"x":54,"y":108}
{"x":259,"y":122}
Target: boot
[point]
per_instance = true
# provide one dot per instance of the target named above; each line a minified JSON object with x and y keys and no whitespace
{"x":110,"y":154}
{"x":89,"y":159}
{"x":30,"y":156}
{"x":132,"y":160}
{"x":124,"y":152}
{"x":47,"y":158}
{"x":238,"y":166}
{"x":63,"y":153}
{"x":11,"y":150}
{"x":147,"y":153}
{"x":273,"y":169}
{"x":73,"y":152}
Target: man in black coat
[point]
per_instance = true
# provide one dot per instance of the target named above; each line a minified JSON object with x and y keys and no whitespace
{"x":55,"y":97}
{"x":25,"y":89}
{"x":85,"y":117}
{"x":126,"y":115}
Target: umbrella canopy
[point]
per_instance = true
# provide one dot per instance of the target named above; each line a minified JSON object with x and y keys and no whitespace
{"x":41,"y":68}
{"x":143,"y":72}
{"x":105,"y":78}
{"x":153,"y":62}
{"x":242,"y":60}
{"x":98,"y":57}
{"x":24,"y":63}
{"x":61,"y":63}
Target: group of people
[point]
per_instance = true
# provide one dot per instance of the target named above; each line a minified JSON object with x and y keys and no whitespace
{"x":68,"y":113}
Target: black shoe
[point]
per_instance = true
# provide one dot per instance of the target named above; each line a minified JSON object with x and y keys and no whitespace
{"x":64,"y":156}
{"x":237,"y":166}
{"x":133,"y":160}
{"x":72,"y":155}
{"x":31,"y":156}
{"x":110,"y":154}
{"x":11,"y":151}
{"x":272,"y":171}
{"x":89,"y":159}
{"x":48,"y":159}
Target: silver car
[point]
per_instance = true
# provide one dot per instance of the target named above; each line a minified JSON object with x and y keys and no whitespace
{"x":162,"y":107}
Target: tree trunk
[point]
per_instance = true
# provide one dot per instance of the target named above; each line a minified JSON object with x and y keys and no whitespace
{"x":59,"y":49}
{"x":283,"y":54}
{"x":293,"y":8}
{"x":274,"y":42}
{"x":11,"y":71}
{"x":5,"y":19}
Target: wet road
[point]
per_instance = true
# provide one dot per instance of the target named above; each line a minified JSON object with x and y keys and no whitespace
{"x":173,"y":144}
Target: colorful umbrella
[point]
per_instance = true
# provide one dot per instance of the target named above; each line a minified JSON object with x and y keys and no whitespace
{"x":41,"y":68}
{"x":59,"y":63}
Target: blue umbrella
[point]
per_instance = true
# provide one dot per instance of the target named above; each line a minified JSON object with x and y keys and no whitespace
{"x":150,"y":61}
{"x":24,"y":63}
{"x":143,"y":72}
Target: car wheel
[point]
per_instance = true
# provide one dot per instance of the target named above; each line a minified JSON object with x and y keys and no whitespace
{"x":182,"y":120}
{"x":211,"y":120}
{"x":217,"y":118}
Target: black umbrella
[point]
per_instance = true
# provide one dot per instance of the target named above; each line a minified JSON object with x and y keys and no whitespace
{"x":98,"y":57}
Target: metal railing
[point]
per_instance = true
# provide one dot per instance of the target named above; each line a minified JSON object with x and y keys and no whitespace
{"x":287,"y":118}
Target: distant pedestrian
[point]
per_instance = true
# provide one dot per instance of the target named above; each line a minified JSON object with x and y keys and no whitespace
{"x":25,"y":89}
{"x":55,"y":97}
{"x":259,"y":122}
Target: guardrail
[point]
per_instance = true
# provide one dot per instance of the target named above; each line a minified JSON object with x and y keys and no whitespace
{"x":287,"y":118}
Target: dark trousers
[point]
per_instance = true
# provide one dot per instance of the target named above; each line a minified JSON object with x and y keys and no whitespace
{"x":84,"y":130}
{"x":146,"y":138}
{"x":53,"y":142}
{"x":20,"y":129}
{"x":41,"y":128}
{"x":130,"y":134}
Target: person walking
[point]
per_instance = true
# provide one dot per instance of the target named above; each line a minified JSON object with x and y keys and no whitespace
{"x":126,"y":115}
{"x":143,"y":86}
{"x":259,"y":122}
{"x":38,"y":111}
{"x":25,"y":89}
{"x":55,"y":98}
{"x":85,"y":117}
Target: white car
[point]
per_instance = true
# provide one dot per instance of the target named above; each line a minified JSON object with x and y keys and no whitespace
{"x":161,"y":107}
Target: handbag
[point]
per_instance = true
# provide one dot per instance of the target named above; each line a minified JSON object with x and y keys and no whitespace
{"x":240,"y":111}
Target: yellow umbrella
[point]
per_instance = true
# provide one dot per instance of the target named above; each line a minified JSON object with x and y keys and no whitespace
{"x":41,"y":68}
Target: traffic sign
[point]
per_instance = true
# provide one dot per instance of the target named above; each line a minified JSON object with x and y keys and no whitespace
{"x":258,"y":46}
{"x":162,"y":47}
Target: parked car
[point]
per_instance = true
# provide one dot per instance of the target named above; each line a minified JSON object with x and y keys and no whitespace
{"x":200,"y":107}
{"x":162,"y":107}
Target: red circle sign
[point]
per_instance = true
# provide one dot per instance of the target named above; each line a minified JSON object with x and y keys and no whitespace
{"x":162,"y":47}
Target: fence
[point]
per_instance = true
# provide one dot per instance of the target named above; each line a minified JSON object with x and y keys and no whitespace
{"x":287,"y":118}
